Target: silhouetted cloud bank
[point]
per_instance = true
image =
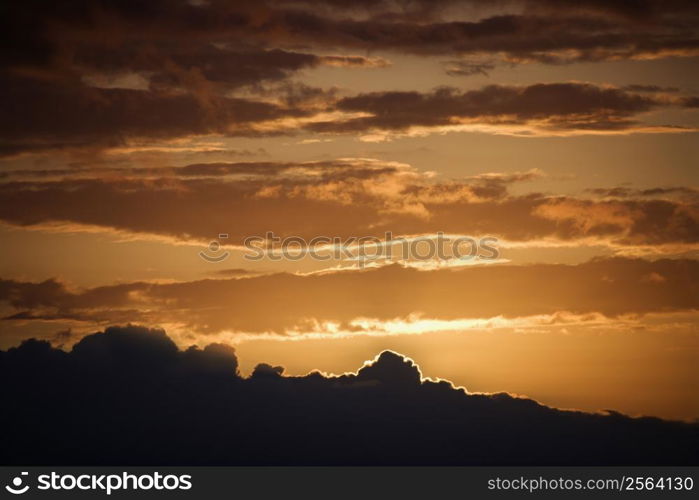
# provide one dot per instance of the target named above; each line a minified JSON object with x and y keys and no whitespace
{"x":128,"y":395}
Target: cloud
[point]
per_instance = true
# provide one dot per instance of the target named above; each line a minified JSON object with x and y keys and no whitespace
{"x":547,"y":34}
{"x":672,"y":192}
{"x":469,"y":68}
{"x":199,"y":68}
{"x":641,"y":219}
{"x":390,"y":369}
{"x":344,"y":198}
{"x":263,"y":370}
{"x":128,"y":396}
{"x":104,"y":74}
{"x":48,"y":36}
{"x":542,"y":108}
{"x":635,"y":87}
{"x":64,"y":114}
{"x":354,"y":302}
{"x":354,"y":61}
{"x":233,"y":272}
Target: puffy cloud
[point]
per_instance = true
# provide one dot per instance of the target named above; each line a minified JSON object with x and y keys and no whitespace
{"x":128,"y":396}
{"x":129,"y":349}
{"x":263,"y":370}
{"x":390,"y":369}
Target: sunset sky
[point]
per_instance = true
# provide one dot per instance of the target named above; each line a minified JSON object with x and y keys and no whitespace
{"x":133,"y":134}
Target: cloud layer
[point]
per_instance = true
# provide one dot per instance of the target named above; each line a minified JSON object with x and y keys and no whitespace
{"x":358,"y":302}
{"x":103,"y":74}
{"x":344,"y":198}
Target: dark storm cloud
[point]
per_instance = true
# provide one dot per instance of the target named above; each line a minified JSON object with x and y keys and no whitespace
{"x":611,"y":287}
{"x":129,"y":396}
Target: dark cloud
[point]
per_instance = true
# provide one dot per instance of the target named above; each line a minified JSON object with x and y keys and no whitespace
{"x":54,"y":114}
{"x":690,"y":102}
{"x":184,"y":66}
{"x":391,"y":370}
{"x":555,"y":105}
{"x":468,"y":68}
{"x":649,"y":88}
{"x":302,"y":304}
{"x":39,"y":33}
{"x":550,"y":32}
{"x":129,"y":396}
{"x":61,"y":63}
{"x":63,"y":114}
{"x":263,"y":370}
{"x":636,"y":222}
{"x":673,"y":192}
{"x":32,"y":295}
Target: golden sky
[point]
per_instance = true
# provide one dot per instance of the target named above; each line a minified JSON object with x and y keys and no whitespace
{"x":133,"y":137}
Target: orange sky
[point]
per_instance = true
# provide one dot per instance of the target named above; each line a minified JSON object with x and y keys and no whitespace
{"x":133,"y":139}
